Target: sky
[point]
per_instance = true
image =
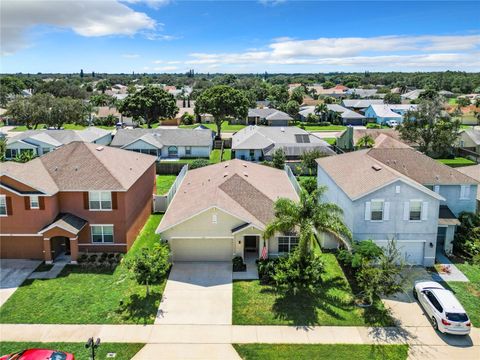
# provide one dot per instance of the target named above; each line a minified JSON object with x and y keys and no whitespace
{"x":173,"y":36}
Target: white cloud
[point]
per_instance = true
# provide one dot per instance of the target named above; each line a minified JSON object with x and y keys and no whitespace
{"x":271,"y":2}
{"x":130,"y":56}
{"x":395,"y":52}
{"x":85,"y":17}
{"x":154,"y":4}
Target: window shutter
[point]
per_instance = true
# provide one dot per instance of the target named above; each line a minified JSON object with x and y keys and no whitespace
{"x":406,"y":210}
{"x":8,"y":201}
{"x":85,"y":200}
{"x":26,"y":200}
{"x":41,"y":202}
{"x":467,"y":191}
{"x":386,"y":210}
{"x":436,"y":189}
{"x":425,"y":211}
{"x":368,"y":213}
{"x":462,"y":191}
{"x":114,"y":200}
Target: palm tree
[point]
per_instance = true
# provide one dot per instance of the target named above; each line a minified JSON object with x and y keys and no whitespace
{"x":307,"y":217}
{"x":365,"y":141}
{"x":321,"y":110}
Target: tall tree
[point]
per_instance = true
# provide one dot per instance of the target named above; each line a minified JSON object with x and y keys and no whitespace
{"x":321,"y":111}
{"x":150,"y":104}
{"x":278,"y":158}
{"x":31,"y":111}
{"x":306,"y":217}
{"x":292,"y":108}
{"x":65,"y":110}
{"x":431,"y":128}
{"x":222,"y":101}
{"x":392,"y":98}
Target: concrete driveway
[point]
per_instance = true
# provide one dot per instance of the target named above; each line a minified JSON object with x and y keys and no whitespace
{"x":13,"y":273}
{"x":197,"y":293}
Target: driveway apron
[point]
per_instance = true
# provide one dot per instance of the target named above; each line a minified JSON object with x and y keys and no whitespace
{"x":197,"y":293}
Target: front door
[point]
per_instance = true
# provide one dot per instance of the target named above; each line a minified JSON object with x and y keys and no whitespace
{"x":251,"y":243}
{"x":441,"y":236}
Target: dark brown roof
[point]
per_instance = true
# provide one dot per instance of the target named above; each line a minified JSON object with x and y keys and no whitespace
{"x":446,"y":217}
{"x":419,"y":167}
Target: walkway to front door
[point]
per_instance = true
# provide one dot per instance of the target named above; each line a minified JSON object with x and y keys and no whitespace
{"x":197,"y":293}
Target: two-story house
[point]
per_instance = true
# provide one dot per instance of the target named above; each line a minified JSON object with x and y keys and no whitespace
{"x":81,"y":197}
{"x":400,"y":194}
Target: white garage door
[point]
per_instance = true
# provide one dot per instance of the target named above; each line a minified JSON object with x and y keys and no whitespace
{"x":201,"y":249}
{"x":411,"y":252}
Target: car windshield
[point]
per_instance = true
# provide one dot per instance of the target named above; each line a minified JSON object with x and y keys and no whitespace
{"x":460,"y":317}
{"x":58,"y":355}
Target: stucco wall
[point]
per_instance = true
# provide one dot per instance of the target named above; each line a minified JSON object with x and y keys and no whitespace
{"x":245,"y":155}
{"x":452,"y":195}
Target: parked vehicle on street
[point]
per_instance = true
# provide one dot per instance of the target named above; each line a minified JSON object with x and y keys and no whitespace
{"x":442,"y":307}
{"x":39,"y":354}
{"x":392,"y":123}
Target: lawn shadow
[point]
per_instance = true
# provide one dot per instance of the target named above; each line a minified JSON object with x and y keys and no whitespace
{"x":140,"y":308}
{"x":302,"y":309}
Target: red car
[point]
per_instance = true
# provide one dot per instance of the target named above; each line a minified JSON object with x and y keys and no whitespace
{"x":39,"y":354}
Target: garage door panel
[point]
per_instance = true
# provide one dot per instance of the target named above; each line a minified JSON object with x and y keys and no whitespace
{"x":201,"y":249}
{"x":412,"y":252}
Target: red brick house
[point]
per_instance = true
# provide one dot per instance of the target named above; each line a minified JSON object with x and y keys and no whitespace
{"x":79,"y":198}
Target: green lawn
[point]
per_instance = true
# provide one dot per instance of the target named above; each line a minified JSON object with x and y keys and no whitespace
{"x":331,"y":141}
{"x":122,"y":351}
{"x":468,"y":293}
{"x":459,"y":161}
{"x":164,"y":183}
{"x":257,"y":304}
{"x":452,"y":101}
{"x":312,"y":127}
{"x":86,"y":296}
{"x":65,"y":126}
{"x":320,"y":351}
{"x":226,"y":127}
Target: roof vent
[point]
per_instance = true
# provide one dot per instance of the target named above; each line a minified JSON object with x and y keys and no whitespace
{"x":244,"y":165}
{"x":100,"y":148}
{"x":376,"y":167}
{"x":226,"y":165}
{"x":225,"y":174}
{"x":245,"y":174}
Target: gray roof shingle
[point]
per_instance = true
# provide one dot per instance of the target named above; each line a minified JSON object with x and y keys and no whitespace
{"x":163,"y":137}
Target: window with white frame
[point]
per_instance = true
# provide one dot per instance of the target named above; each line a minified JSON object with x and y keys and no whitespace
{"x":464,"y":192}
{"x":188,"y":150}
{"x":214,"y":218}
{"x":287,"y":244}
{"x":34,"y":202}
{"x":100,"y":200}
{"x":415,"y":210}
{"x":3,"y":205}
{"x":376,"y":210}
{"x":102,"y":234}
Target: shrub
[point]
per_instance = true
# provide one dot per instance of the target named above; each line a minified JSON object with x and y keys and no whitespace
{"x":92,"y":258}
{"x":374,"y":126}
{"x":238,"y":264}
{"x":309,"y":184}
{"x":324,"y":123}
{"x":278,"y":159}
{"x":266,"y":269}
{"x":467,"y":236}
{"x":82,"y":259}
{"x":198,"y":163}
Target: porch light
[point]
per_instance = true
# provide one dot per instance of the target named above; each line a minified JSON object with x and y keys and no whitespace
{"x":431,"y":245}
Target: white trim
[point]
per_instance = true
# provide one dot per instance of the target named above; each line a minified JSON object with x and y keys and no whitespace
{"x":21,"y":235}
{"x":410,"y":210}
{"x":103,"y":235}
{"x":4,"y":197}
{"x":51,"y":226}
{"x":38,"y":202}
{"x":246,"y":227}
{"x":99,"y":193}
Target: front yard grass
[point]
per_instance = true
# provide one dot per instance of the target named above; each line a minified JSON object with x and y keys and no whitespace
{"x":468,"y":293}
{"x":88,"y":296}
{"x":458,"y":161}
{"x":164,"y":183}
{"x":320,"y":351}
{"x":313,"y":127}
{"x":122,"y":351}
{"x":333,"y":305}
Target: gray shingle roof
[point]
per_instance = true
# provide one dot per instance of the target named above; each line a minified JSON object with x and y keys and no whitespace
{"x":358,"y":104}
{"x":163,"y":137}
{"x":269,"y":114}
{"x":61,"y":137}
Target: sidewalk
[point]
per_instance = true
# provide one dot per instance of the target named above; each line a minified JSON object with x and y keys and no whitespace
{"x":454,"y":275}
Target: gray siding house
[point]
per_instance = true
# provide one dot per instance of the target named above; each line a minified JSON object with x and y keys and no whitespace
{"x":166,"y":143}
{"x":398,"y":194}
{"x":257,"y":143}
{"x":40,"y":142}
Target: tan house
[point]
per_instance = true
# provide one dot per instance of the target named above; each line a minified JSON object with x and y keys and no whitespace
{"x":81,"y":197}
{"x":220,"y":211}
{"x":469,"y":139}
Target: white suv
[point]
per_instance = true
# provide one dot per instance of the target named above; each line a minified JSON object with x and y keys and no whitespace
{"x":442,"y":307}
{"x":392,"y":123}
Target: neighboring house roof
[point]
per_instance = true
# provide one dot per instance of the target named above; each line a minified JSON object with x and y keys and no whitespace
{"x":419,"y":167}
{"x":412,"y":95}
{"x":292,"y":139}
{"x":363,"y":93}
{"x":446,"y":216}
{"x":81,"y":166}
{"x":374,"y":133}
{"x":243,"y":189}
{"x":385,"y":141}
{"x":163,"y":137}
{"x":104,"y":111}
{"x":384,"y":111}
{"x":60,"y":137}
{"x":357,"y":174}
{"x":473,"y":134}
{"x":360,"y":104}
{"x":269,"y":114}
{"x":343,"y":111}
{"x":472,"y":171}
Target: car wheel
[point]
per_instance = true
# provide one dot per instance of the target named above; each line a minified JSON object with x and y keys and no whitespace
{"x":415,"y":295}
{"x":434,"y":323}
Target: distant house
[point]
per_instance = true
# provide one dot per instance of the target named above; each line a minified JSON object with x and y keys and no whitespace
{"x":398,"y":194}
{"x":258,"y":143}
{"x":349,"y":117}
{"x":166,"y":143}
{"x":412,"y":95}
{"x":267,"y":116}
{"x":40,"y":142}
{"x":364,"y":93}
{"x":360,"y":105}
{"x":105,"y":111}
{"x":469,"y":139}
{"x":348,"y":140}
{"x":383,"y":113}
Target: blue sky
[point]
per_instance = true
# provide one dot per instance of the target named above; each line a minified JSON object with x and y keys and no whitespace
{"x":238,"y":36}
